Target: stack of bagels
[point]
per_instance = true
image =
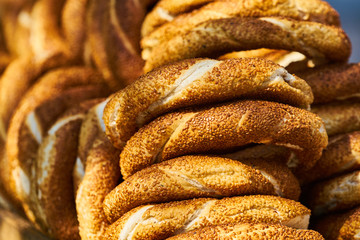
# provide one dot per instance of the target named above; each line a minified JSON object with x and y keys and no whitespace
{"x":199,"y":119}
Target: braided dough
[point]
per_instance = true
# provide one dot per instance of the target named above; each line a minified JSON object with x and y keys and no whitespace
{"x":249,"y":231}
{"x":339,"y":117}
{"x":341,"y":155}
{"x":316,"y":11}
{"x":199,"y":81}
{"x":225,"y":127}
{"x":197,"y":176}
{"x":342,"y":226}
{"x":333,"y":82}
{"x":338,"y":193}
{"x":168,"y":219}
{"x":216,"y":37}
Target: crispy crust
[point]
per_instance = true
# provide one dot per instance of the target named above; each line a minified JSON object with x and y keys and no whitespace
{"x":248,"y":231}
{"x":102,"y":174}
{"x":339,"y":193}
{"x":341,"y":226}
{"x":198,"y":82}
{"x":51,"y":86}
{"x":333,"y":82}
{"x":197,"y":176}
{"x":341,"y":155}
{"x":216,"y":37}
{"x":167,"y":219}
{"x":315,"y":11}
{"x":225,"y":127}
{"x":339,"y":117}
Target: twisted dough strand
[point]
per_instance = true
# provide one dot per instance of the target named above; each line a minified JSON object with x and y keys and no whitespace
{"x":196,"y":176}
{"x":216,"y":37}
{"x":167,"y":219}
{"x":223,"y":127}
{"x":197,"y":82}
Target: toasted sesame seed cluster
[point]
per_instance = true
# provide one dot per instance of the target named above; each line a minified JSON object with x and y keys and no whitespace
{"x":196,"y":119}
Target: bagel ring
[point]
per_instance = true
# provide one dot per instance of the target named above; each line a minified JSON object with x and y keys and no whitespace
{"x":306,"y":10}
{"x":168,"y":219}
{"x":197,"y":82}
{"x":249,"y":231}
{"x":198,"y":176}
{"x":224,"y":127}
{"x":216,"y":37}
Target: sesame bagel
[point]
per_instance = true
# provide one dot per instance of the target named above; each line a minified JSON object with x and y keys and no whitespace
{"x":168,"y":219}
{"x":225,"y":127}
{"x":197,"y":176}
{"x":338,"y":193}
{"x":333,"y":82}
{"x":216,"y":37}
{"x":341,"y":155}
{"x":248,"y":231}
{"x":339,"y":117}
{"x":101,"y":173}
{"x":26,"y":125}
{"x":315,"y":11}
{"x":341,"y":226}
{"x":198,"y":82}
{"x":52,"y":186}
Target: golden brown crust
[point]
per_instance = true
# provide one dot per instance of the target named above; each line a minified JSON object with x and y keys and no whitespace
{"x":333,"y":82}
{"x":341,"y":155}
{"x":198,"y":82}
{"x":339,"y":117}
{"x":248,"y":231}
{"x":225,"y":127}
{"x":216,"y":37}
{"x":102,"y":174}
{"x":340,"y":226}
{"x":338,"y":193}
{"x":167,"y":219}
{"x":197,"y":176}
{"x":51,"y":86}
{"x":316,"y":11}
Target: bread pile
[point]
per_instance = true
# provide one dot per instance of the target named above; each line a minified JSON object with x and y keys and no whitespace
{"x":208,"y":143}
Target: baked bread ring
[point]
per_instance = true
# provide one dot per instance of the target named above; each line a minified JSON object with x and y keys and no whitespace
{"x":341,"y":155}
{"x":52,"y":191}
{"x":101,"y":174}
{"x":225,"y":127}
{"x":345,"y":225}
{"x":197,"y":176}
{"x":338,"y":193}
{"x":168,"y":219}
{"x":315,"y":11}
{"x":333,"y":82}
{"x":216,"y":37}
{"x":197,"y":82}
{"x":339,"y":117}
{"x":80,"y":83}
{"x":258,"y":231}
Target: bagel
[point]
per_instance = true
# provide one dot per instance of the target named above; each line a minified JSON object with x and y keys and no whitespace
{"x":333,"y":82}
{"x":316,"y":11}
{"x":248,"y":231}
{"x":338,"y":193}
{"x":341,"y":155}
{"x":168,"y":219}
{"x":101,"y":174}
{"x":345,"y":225}
{"x":216,"y":37}
{"x":224,"y":127}
{"x":25,"y":128}
{"x":339,"y":117}
{"x":197,"y":176}
{"x":197,"y":82}
{"x":51,"y":180}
